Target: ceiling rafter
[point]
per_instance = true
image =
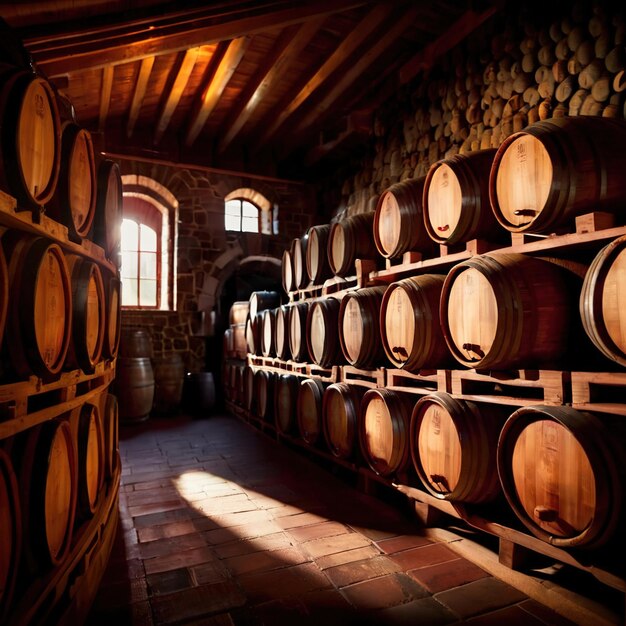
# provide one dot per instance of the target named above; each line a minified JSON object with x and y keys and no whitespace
{"x":175,"y":93}
{"x":212,"y":91}
{"x":284,"y":53}
{"x":105,"y":95}
{"x":141,"y":87}
{"x":340,"y":56}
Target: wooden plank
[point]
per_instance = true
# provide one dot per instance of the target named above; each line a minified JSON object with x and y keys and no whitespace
{"x":175,"y":93}
{"x":285,"y":52}
{"x":140,"y":91}
{"x":71,"y":50}
{"x":212,"y":91}
{"x":105,"y":95}
{"x":342,"y":55}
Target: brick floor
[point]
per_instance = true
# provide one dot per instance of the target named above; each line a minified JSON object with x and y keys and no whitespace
{"x":220,"y":526}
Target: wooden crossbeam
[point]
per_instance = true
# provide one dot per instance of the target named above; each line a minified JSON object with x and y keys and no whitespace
{"x":105,"y":95}
{"x":140,"y":91}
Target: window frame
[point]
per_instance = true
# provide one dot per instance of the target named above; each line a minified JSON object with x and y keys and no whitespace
{"x":241,"y":216}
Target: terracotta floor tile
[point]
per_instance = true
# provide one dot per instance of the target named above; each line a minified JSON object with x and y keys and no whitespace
{"x":511,"y":616}
{"x":317,"y":531}
{"x":425,"y":555}
{"x":349,"y":556}
{"x":447,"y":575}
{"x":374,"y":594}
{"x":169,"y":582}
{"x":171,"y":545}
{"x":337,"y":543}
{"x":178,"y":560}
{"x":424,"y":612}
{"x":245,"y":531}
{"x":116,"y":593}
{"x":264,"y":561}
{"x":239,"y":519}
{"x":350,"y":573}
{"x":542,"y":612}
{"x":246,"y":546}
{"x":303,"y":519}
{"x":208,"y":573}
{"x":403,"y":542}
{"x":165,"y":531}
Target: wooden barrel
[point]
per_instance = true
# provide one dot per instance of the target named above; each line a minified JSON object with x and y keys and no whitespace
{"x":503,"y":310}
{"x":169,"y":377}
{"x":45,"y":462}
{"x":322,"y":332}
{"x":456,"y":199}
{"x":409,"y":323}
{"x":286,"y":272}
{"x":261,"y":300}
{"x":298,"y":260}
{"x":399,"y":220}
{"x":30,"y":138}
{"x":90,"y":456}
{"x":268,"y":333}
{"x":340,"y":418}
{"x":108,"y":217}
{"x":264,"y":394}
{"x":88,"y":314}
{"x":135,"y":388}
{"x":285,"y":398}
{"x":253,"y":334}
{"x":40,"y":307}
{"x":556,"y":169}
{"x":238,"y":313}
{"x":603,"y":301}
{"x":384,"y":430}
{"x":453,"y":445}
{"x":113,"y":327}
{"x":240,"y":346}
{"x":110,"y":424}
{"x":238,"y":385}
{"x":562,"y":471}
{"x":317,"y":266}
{"x":349,"y":240}
{"x":135,"y":342}
{"x":281,"y":331}
{"x":248,"y":389}
{"x":74,"y":203}
{"x":11,"y":535}
{"x":228,"y":343}
{"x":309,"y":409}
{"x":298,"y":332}
{"x":359,"y":328}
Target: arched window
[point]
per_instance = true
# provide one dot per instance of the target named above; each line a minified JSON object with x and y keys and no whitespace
{"x":241,"y":216}
{"x":140,"y":264}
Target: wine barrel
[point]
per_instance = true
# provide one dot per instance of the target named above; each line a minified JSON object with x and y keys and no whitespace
{"x":286,"y":272}
{"x":264,"y":394}
{"x":556,"y":169}
{"x":88,"y":314}
{"x":603,"y":301}
{"x":45,"y":462}
{"x":240,"y":346}
{"x":285,"y":398}
{"x":135,"y":343}
{"x":261,"y":300}
{"x":40,"y":307}
{"x":238,"y":385}
{"x":111,"y":342}
{"x":340,"y":418}
{"x":399,"y":220}
{"x":349,"y":240}
{"x":268,"y":333}
{"x":30,"y":138}
{"x":359,"y":328}
{"x":248,"y":389}
{"x":456,"y":199}
{"x":322,"y":332}
{"x":74,"y":203}
{"x":453,"y":446}
{"x":169,"y":377}
{"x":89,"y":444}
{"x":409,"y":323}
{"x":309,"y":409}
{"x":281,"y":330}
{"x":384,"y":430}
{"x":228,"y":343}
{"x":107,"y":221}
{"x":298,"y":260}
{"x":11,"y":535}
{"x":253,"y":334}
{"x":238,"y":313}
{"x":317,"y":266}
{"x":199,"y":393}
{"x":110,"y":424}
{"x":503,"y":310}
{"x":298,"y":332}
{"x":562,"y":471}
{"x":135,"y":388}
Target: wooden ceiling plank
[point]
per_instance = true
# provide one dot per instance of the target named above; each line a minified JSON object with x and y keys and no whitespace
{"x":286,"y":52}
{"x":213,"y":91}
{"x":98,"y":51}
{"x":105,"y":95}
{"x":175,"y":93}
{"x":345,"y":50}
{"x":141,"y":87}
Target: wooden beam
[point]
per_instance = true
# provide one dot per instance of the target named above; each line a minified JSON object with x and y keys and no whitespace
{"x":425,"y":58}
{"x":176,"y":92}
{"x":285,"y":52}
{"x":71,"y":51}
{"x":341,"y":55}
{"x":212,"y":92}
{"x":140,"y":91}
{"x":105,"y":95}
